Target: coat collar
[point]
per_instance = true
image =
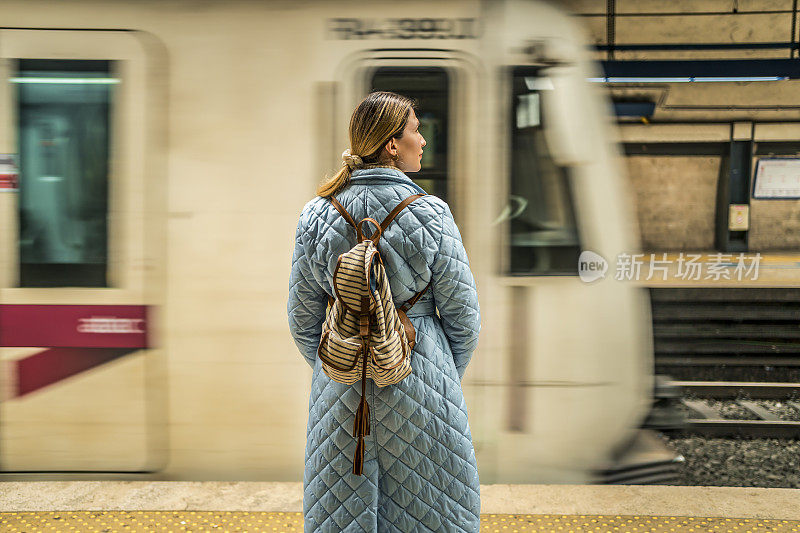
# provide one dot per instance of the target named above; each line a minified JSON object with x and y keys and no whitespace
{"x":382,"y":174}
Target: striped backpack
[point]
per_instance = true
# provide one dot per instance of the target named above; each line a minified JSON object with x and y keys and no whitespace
{"x":364,"y":334}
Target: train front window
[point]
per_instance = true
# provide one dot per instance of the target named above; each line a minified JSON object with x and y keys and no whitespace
{"x":429,"y":86}
{"x":540,"y":210}
{"x":63,"y":109}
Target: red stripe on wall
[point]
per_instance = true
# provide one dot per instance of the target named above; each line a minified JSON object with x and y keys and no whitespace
{"x":50,"y":366}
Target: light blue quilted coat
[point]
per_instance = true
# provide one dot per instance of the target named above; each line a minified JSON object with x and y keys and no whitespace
{"x":420,"y":472}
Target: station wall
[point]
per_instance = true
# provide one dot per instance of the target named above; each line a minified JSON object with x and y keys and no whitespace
{"x":677,"y":192}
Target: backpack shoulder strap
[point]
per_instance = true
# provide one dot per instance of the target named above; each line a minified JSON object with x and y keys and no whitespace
{"x":347,"y":217}
{"x":385,"y":224}
{"x":396,"y":210}
{"x":409,"y":304}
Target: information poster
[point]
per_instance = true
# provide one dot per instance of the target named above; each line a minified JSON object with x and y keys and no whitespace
{"x":777,"y":178}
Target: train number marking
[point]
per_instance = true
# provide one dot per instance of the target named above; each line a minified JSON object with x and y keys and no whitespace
{"x":402,"y":28}
{"x":110,"y":325}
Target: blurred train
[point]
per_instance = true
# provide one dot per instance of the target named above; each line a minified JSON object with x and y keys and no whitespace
{"x":154,"y":159}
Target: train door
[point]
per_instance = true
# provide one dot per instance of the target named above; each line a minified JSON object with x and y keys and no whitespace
{"x":456,"y":121}
{"x":447,"y":86}
{"x":451,"y":113}
{"x":81,"y":241}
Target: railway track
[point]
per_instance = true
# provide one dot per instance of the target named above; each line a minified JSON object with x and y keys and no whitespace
{"x":709,"y":404}
{"x":745,"y":344}
{"x":731,"y":390}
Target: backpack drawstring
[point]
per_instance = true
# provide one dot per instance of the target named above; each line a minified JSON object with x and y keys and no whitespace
{"x":361,"y":422}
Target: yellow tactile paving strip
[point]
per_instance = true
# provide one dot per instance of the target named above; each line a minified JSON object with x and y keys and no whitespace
{"x":214,"y":521}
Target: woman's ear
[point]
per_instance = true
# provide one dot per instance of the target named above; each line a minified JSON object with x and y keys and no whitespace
{"x":391,"y":148}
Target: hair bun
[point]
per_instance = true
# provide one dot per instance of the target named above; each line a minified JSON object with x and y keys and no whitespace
{"x":352,"y":161}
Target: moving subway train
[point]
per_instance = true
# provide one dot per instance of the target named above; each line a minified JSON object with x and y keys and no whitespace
{"x":154,"y":158}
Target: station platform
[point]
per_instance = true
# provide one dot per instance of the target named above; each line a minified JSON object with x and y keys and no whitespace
{"x":107,"y":506}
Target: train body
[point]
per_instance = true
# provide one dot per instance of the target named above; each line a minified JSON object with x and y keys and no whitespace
{"x":164,"y":151}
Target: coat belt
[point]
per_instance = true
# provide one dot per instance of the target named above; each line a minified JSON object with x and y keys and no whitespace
{"x":422,"y":308}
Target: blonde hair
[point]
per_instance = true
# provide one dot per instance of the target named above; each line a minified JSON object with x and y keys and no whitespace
{"x":381,"y":116}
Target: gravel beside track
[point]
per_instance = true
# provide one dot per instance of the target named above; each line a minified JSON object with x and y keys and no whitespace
{"x":785,"y":412}
{"x":772,"y":463}
{"x":732,"y":411}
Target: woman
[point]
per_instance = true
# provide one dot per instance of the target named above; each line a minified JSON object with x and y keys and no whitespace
{"x":419,"y":467}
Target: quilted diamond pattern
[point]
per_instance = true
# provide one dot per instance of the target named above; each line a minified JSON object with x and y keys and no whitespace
{"x":420,"y":472}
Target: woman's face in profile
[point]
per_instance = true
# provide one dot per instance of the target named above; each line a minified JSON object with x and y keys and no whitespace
{"x":409,"y":146}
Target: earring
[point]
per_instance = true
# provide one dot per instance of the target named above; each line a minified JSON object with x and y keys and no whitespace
{"x":395,"y":157}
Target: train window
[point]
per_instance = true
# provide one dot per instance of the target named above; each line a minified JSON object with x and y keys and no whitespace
{"x":544,"y":238}
{"x":430,"y":88}
{"x":63,"y":109}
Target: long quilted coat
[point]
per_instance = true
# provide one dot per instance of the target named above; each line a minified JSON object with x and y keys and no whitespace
{"x":420,"y":472}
